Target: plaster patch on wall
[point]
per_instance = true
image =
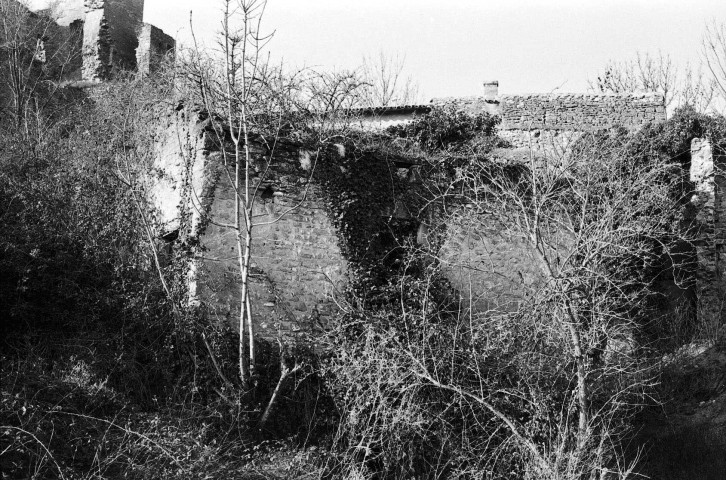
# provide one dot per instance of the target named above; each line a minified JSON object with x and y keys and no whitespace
{"x":304,"y":159}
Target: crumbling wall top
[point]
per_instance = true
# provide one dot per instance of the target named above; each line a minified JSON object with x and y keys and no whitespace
{"x":566,"y":111}
{"x":580,"y":111}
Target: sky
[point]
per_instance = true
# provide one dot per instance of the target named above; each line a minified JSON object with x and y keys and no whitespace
{"x":451,"y":46}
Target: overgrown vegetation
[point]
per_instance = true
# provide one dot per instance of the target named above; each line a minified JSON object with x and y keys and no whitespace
{"x":547,"y":389}
{"x":107,"y":372}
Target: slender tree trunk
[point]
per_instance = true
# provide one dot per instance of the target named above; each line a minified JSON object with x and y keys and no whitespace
{"x":243,"y":259}
{"x":583,"y":403}
{"x":248,"y":241}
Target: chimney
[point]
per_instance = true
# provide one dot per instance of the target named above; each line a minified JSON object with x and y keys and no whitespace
{"x":491,"y":90}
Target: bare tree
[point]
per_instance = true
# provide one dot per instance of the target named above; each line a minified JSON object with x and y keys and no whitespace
{"x":645,"y":73}
{"x":650,"y":73}
{"x":384,"y":82}
{"x":696,"y":90}
{"x":602,"y":224}
{"x":713,"y":52}
{"x":252,"y":104}
{"x":35,"y":55}
{"x":547,"y":382}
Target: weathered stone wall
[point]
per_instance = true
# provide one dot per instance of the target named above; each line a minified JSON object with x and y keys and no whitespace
{"x":565,"y":111}
{"x":154,"y":46}
{"x":493,"y":268}
{"x":708,"y":173}
{"x":110,"y":36}
{"x":298,"y":265}
{"x":296,"y":262}
{"x":547,"y":124}
{"x":580,"y":112}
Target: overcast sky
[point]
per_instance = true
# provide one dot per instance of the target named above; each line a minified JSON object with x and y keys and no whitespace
{"x":451,"y":46}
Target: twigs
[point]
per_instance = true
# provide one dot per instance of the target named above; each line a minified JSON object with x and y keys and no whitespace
{"x":146,"y":438}
{"x":213,"y":357}
{"x":42,"y":445}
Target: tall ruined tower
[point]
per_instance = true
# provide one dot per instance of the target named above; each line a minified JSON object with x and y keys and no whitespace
{"x":155,"y":46}
{"x":110,"y":36}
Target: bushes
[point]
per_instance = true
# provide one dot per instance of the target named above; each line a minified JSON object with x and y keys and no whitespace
{"x":431,"y":390}
{"x":104,"y":371}
{"x":427,"y":387}
{"x":448,"y":129}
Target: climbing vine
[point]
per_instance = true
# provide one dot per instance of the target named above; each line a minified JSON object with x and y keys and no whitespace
{"x":361,"y":190}
{"x":378,"y":193}
{"x":448,"y":129}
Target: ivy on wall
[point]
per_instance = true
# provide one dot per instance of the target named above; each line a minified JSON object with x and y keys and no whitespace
{"x":448,"y":130}
{"x":374,"y":199}
{"x":359,"y":189}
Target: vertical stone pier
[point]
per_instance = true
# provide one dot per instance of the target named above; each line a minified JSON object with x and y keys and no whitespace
{"x":708,"y":173}
{"x":110,"y":36}
{"x":154,"y":47}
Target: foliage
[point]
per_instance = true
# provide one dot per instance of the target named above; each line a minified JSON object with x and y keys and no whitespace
{"x":427,"y":386}
{"x":35,"y":54}
{"x":422,"y":387}
{"x":106,"y":371}
{"x":361,"y":191}
{"x":449,"y":129}
{"x":672,"y":139}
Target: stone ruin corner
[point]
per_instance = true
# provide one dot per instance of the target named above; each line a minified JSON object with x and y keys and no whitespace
{"x":114,"y":37}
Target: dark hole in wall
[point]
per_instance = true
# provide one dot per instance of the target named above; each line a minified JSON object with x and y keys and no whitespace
{"x":167,"y":249}
{"x":170,"y":236}
{"x":268,"y":194}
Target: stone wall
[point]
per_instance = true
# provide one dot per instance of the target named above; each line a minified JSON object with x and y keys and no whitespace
{"x":110,"y":36}
{"x":547,"y":124}
{"x":708,"y":173}
{"x":580,"y":112}
{"x":565,"y":111}
{"x":154,"y":47}
{"x":493,"y":268}
{"x":296,"y":263}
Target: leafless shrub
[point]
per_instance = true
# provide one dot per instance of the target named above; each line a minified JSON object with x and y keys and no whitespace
{"x":434,"y":384}
{"x":713,"y":51}
{"x":680,"y":85}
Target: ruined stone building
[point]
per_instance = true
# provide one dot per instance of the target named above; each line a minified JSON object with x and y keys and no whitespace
{"x":298,"y":266}
{"x":110,"y":35}
{"x":297,"y":261}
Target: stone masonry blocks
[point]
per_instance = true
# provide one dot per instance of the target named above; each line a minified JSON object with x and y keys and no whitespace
{"x":708,"y":174}
{"x":580,"y":112}
{"x":154,"y":47}
{"x":110,"y":36}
